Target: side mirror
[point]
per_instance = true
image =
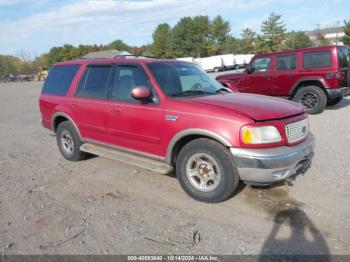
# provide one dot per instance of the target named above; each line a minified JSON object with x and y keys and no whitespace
{"x":249,"y":69}
{"x":141,"y":93}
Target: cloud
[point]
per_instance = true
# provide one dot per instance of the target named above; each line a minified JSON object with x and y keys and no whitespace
{"x":99,"y":20}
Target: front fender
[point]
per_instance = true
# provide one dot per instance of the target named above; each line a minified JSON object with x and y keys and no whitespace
{"x":229,"y":84}
{"x":192,"y":131}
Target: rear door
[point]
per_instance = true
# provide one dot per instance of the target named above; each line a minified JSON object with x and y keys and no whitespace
{"x":134,"y":124}
{"x":259,"y":81}
{"x":285,"y":74}
{"x":89,"y":106}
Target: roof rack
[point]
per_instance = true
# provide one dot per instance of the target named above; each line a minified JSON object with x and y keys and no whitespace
{"x":116,"y":56}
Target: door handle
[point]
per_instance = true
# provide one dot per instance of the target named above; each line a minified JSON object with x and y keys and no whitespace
{"x":268,"y":77}
{"x":290,"y":75}
{"x":116,"y":110}
{"x":73,"y":105}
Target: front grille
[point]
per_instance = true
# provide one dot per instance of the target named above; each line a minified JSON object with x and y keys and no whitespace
{"x":297,"y":131}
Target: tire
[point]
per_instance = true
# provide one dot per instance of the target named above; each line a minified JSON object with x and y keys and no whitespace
{"x":68,"y":142}
{"x":312,"y":97}
{"x":334,"y":101}
{"x":205,"y":160}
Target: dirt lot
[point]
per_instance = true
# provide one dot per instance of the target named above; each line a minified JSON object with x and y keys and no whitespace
{"x":98,"y":206}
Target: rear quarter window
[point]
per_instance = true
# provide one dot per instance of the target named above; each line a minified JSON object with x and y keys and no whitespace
{"x":317,"y":59}
{"x":59,"y":79}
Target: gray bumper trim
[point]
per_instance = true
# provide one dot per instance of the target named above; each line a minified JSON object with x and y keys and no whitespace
{"x":273,"y":164}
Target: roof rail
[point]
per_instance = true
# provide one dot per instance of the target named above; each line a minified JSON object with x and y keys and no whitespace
{"x":116,"y":56}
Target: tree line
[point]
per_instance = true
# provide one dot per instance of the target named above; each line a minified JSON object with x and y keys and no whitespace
{"x":197,"y":36}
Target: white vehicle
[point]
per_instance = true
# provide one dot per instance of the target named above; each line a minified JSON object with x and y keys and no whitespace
{"x":186,"y":59}
{"x":243,"y":60}
{"x":210,"y":64}
{"x":229,"y":61}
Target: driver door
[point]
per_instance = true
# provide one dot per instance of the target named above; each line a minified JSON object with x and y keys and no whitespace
{"x":260,"y":79}
{"x":134,"y":124}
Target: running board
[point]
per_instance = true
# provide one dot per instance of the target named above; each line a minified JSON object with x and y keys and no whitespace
{"x":127,"y":158}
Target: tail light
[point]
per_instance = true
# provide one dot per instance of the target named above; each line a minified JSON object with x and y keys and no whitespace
{"x":337,"y":75}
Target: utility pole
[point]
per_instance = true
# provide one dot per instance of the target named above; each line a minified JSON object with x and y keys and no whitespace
{"x":336,"y":34}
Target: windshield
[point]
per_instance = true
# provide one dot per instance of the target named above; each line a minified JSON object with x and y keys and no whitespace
{"x":179,"y":79}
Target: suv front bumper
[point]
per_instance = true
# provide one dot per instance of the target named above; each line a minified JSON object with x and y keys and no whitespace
{"x":339,"y":92}
{"x":265,"y":166}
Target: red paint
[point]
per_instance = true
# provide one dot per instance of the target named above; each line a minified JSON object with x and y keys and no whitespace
{"x":146,"y":127}
{"x":282,"y":82}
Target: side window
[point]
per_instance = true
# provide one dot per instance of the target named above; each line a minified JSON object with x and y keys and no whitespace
{"x":59,"y":79}
{"x":286,"y":62}
{"x":94,"y":82}
{"x":261,"y":64}
{"x":317,"y":59}
{"x":343,"y":56}
{"x":127,"y":77}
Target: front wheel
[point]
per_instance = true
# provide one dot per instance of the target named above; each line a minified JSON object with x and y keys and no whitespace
{"x":206,"y":171}
{"x":312,"y":97}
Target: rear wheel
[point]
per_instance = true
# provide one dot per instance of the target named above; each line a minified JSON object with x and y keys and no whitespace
{"x":68,"y":142}
{"x":206,"y":171}
{"x":334,"y":101}
{"x":313,"y":98}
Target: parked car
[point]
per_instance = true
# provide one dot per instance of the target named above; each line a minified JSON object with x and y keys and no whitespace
{"x":211,"y":64}
{"x":313,"y":77}
{"x":166,"y":115}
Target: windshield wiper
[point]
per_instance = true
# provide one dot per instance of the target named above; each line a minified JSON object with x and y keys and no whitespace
{"x":191,"y":92}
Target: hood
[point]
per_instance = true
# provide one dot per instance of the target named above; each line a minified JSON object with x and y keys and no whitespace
{"x":256,"y":107}
{"x":233,"y":76}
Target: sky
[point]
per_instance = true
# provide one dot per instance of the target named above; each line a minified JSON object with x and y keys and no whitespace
{"x":34,"y":26}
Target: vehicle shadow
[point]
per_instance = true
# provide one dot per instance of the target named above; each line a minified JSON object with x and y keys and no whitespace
{"x":304,"y":237}
{"x":343,"y":103}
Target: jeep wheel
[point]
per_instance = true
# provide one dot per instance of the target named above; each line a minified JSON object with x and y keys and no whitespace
{"x":313,"y":98}
{"x":69,"y":142}
{"x":334,"y":101}
{"x":206,"y":171}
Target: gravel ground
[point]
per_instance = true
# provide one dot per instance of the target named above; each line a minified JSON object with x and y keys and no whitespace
{"x":98,"y":206}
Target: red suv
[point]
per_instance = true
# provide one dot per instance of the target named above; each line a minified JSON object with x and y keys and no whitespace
{"x":313,"y":77}
{"x":166,"y":115}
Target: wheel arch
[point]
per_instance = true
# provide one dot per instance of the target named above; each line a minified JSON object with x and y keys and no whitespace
{"x":60,"y":117}
{"x":320,"y":82}
{"x":185,"y":136}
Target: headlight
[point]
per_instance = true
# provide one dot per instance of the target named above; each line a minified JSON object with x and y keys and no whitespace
{"x":260,"y":135}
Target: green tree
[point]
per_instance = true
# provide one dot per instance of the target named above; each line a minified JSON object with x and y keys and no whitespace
{"x":299,"y":39}
{"x":116,"y":45}
{"x":346,"y":37}
{"x":219,"y":35}
{"x":161,"y":37}
{"x":273,"y":38}
{"x":231,"y":45}
{"x":182,"y":38}
{"x":248,"y":41}
{"x":319,"y":39}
